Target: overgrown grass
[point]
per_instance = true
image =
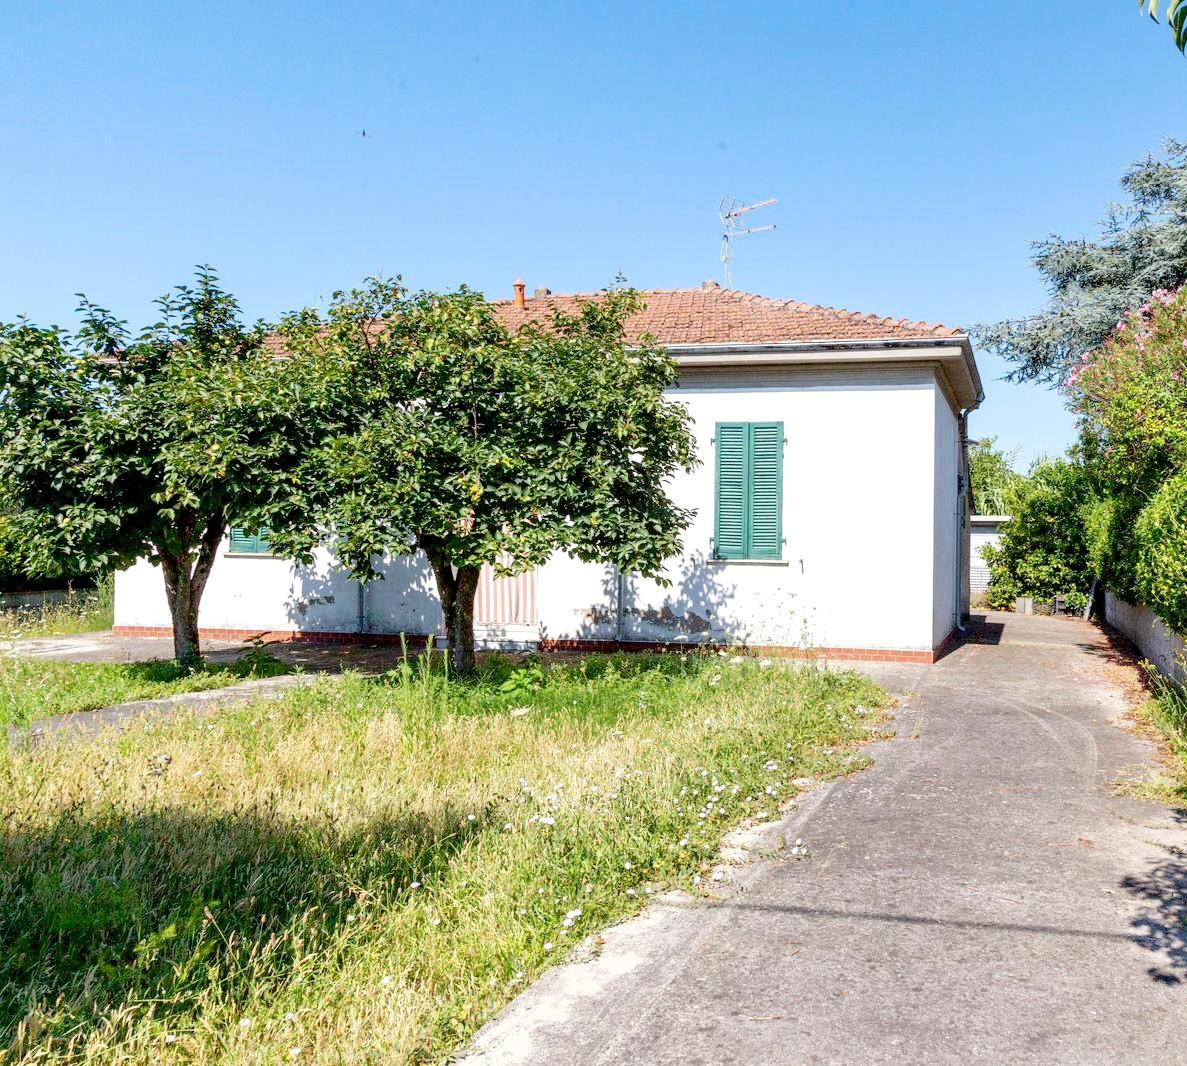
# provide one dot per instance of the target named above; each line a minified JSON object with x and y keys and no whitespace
{"x":1167,"y":712}
{"x":85,"y":612}
{"x":37,"y":688}
{"x":369,"y":869}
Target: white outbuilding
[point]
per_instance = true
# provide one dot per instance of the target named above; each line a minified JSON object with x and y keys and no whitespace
{"x":831,"y":506}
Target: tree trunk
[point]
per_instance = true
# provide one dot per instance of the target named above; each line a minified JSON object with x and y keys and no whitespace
{"x":461,"y":634}
{"x":456,"y":590}
{"x":185,"y":580}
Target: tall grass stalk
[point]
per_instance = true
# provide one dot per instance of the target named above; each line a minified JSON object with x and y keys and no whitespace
{"x":85,"y":611}
{"x":369,"y":869}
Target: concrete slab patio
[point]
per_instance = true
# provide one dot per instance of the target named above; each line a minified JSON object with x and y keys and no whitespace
{"x":980,"y":894}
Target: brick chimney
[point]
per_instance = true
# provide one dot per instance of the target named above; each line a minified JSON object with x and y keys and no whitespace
{"x":519,"y":287}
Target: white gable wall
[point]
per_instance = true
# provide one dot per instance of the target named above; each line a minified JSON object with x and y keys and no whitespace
{"x":858,"y":524}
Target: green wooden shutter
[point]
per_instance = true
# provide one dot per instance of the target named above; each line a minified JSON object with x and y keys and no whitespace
{"x":749,"y":515}
{"x":241,"y":540}
{"x":729,"y":534}
{"x":244,"y":543}
{"x":766,"y":491}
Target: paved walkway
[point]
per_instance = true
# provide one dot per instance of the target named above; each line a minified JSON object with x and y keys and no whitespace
{"x":104,"y":646}
{"x":979,"y":895}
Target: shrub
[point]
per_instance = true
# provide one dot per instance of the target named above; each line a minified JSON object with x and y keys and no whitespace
{"x":1161,"y":539}
{"x":1043,"y":551}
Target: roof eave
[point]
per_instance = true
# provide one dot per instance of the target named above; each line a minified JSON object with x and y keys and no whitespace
{"x":954,"y":353}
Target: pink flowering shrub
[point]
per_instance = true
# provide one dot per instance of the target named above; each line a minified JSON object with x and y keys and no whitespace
{"x":1132,"y":398}
{"x":1133,"y":390}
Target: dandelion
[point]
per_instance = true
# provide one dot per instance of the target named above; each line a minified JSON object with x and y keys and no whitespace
{"x":414,"y":885}
{"x":245,"y":1023}
{"x":385,"y":980}
{"x":626,"y":865}
{"x":471,"y":817}
{"x":549,"y":945}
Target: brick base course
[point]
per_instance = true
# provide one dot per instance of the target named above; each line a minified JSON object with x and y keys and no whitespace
{"x":417,"y":640}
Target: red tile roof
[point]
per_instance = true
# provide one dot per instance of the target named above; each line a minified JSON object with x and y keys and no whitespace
{"x":726,"y":316}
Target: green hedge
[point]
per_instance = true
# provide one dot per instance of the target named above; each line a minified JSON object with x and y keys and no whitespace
{"x":1161,"y":549}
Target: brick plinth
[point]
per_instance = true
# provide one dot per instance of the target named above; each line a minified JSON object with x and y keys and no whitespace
{"x":416,"y":640}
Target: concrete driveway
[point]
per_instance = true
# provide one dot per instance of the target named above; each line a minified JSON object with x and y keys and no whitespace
{"x":981,"y":894}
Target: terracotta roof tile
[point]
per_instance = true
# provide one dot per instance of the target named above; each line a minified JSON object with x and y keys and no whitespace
{"x":727,"y":316}
{"x":723,"y":316}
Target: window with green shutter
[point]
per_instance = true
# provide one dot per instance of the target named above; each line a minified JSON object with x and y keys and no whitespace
{"x":749,"y":515}
{"x":247,"y":543}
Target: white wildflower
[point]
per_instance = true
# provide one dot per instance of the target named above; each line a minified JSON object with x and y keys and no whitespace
{"x":385,"y":980}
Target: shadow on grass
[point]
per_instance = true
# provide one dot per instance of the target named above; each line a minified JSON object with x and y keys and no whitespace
{"x":164,"y":907}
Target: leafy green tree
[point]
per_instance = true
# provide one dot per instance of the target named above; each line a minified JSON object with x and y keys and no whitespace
{"x":992,"y":474}
{"x":1176,"y":18}
{"x":1043,"y":550}
{"x":1143,"y":248}
{"x":478,"y":444}
{"x":114,"y":447}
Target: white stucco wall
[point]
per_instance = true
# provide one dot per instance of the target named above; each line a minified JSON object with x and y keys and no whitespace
{"x":947,"y":520}
{"x":869,"y":495}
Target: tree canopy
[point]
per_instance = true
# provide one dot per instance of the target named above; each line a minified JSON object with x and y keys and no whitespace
{"x":1142,"y":248}
{"x":481,"y":444}
{"x":114,"y":447}
{"x":992,"y":475}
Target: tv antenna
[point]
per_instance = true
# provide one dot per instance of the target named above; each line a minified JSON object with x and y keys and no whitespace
{"x":733,"y":213}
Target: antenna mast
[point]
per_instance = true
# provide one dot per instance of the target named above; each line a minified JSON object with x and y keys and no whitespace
{"x":732,"y":213}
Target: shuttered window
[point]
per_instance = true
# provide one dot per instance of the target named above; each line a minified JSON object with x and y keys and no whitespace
{"x":749,"y":516}
{"x":244,"y":542}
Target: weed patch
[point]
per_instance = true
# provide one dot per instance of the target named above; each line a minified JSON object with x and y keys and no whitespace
{"x":369,"y":868}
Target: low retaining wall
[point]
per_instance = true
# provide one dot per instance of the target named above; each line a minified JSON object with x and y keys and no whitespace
{"x":1154,"y":639}
{"x":11,"y":601}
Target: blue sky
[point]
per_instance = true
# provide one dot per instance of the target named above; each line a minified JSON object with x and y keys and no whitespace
{"x":916,"y":147}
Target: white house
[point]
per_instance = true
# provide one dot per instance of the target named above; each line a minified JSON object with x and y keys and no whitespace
{"x":831,"y":506}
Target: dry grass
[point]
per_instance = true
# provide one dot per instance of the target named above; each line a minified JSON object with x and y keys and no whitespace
{"x":368,"y":870}
{"x":85,"y":612}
